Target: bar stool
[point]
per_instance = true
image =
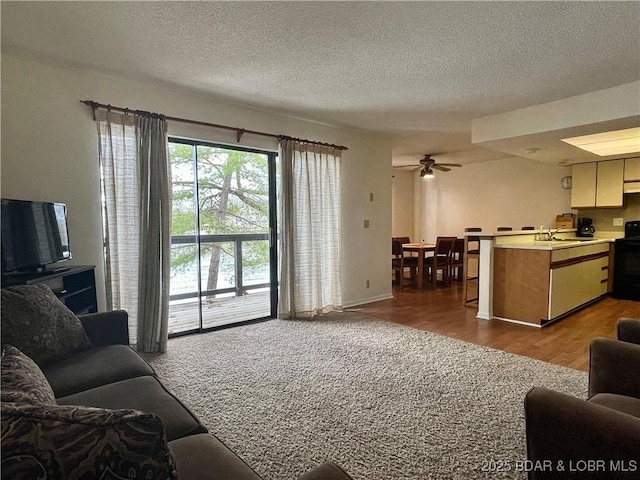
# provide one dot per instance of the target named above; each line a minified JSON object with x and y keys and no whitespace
{"x":471,"y":253}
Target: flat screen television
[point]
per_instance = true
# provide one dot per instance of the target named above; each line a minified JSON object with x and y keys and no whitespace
{"x":34,"y":235}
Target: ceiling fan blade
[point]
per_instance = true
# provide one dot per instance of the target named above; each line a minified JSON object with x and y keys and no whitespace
{"x":449,"y":164}
{"x":440,"y":167}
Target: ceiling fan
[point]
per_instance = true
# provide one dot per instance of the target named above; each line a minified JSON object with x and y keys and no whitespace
{"x":428,"y":164}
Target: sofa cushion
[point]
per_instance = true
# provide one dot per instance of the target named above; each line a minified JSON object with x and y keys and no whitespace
{"x":22,"y":380}
{"x":621,"y":403}
{"x":202,"y":457}
{"x":39,"y":324}
{"x":95,"y":367}
{"x":146,"y":394}
{"x":41,"y":441}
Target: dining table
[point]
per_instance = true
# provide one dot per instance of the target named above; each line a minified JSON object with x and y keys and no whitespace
{"x":421,"y":249}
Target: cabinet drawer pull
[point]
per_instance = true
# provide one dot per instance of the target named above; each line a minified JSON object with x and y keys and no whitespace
{"x":606,"y":267}
{"x":605,"y":280}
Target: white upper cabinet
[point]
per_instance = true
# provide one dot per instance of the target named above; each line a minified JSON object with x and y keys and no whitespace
{"x":598,"y":184}
{"x":632,"y":170}
{"x":610,"y":184}
{"x":583,"y":189}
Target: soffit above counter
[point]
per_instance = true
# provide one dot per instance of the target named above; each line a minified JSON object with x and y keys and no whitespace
{"x":536,"y":132}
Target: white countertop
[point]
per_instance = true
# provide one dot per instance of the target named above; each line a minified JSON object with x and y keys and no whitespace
{"x":555,"y":244}
{"x":525,"y":239}
{"x":516,"y":233}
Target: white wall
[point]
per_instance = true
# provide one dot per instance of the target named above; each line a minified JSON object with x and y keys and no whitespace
{"x":402,"y":203}
{"x":363,"y":176}
{"x":49,"y":152}
{"x":509,"y":192}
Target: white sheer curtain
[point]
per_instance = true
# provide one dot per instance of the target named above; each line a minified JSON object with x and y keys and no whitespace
{"x":136,"y":198}
{"x":310,"y":202}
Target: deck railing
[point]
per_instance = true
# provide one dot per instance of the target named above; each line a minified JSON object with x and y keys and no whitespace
{"x":237,"y":239}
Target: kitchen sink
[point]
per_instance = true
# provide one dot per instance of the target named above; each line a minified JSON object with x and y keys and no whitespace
{"x":584,"y":239}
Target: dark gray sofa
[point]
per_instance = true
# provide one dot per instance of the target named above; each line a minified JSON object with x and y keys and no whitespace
{"x":114,"y":378}
{"x":598,"y":438}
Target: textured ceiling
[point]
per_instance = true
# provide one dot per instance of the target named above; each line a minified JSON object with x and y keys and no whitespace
{"x":419,"y":71}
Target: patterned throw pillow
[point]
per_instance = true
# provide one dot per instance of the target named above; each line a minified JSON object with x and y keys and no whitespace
{"x":83,"y":442}
{"x":22,"y":380}
{"x":39,"y":324}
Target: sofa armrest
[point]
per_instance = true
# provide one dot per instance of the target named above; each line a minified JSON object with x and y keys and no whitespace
{"x":614,"y":367}
{"x":326,"y":471}
{"x":563,"y":431}
{"x":107,"y":328}
{"x":629,"y":330}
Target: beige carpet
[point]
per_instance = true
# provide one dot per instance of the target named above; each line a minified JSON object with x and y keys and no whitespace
{"x":383,"y":400}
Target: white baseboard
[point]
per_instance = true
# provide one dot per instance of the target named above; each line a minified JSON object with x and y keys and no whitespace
{"x":363,"y":301}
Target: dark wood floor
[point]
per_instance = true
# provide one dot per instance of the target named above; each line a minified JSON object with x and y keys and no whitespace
{"x":565,"y":342}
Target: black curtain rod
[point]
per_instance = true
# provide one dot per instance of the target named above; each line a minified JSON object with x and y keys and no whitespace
{"x":239,"y":131}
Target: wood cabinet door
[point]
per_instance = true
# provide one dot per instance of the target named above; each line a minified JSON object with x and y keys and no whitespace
{"x":609,"y":190}
{"x":632,"y":169}
{"x":583,"y":190}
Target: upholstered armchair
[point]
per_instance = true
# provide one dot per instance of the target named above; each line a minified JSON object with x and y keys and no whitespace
{"x":629,"y":330}
{"x":598,"y":438}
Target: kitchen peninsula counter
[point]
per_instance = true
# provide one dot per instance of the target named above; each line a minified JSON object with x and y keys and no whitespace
{"x":555,"y":244}
{"x":533,"y":282}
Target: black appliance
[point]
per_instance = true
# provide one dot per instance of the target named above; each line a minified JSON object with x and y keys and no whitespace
{"x":626,"y":269}
{"x":585,"y":227}
{"x":34,"y":234}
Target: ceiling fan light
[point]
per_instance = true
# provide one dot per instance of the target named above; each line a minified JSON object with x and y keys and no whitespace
{"x":426,"y":173}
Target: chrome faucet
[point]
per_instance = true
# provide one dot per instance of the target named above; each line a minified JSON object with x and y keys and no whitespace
{"x":547,"y":236}
{"x":552,"y":236}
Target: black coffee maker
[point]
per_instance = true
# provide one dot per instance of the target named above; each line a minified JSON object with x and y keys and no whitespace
{"x":585,"y":227}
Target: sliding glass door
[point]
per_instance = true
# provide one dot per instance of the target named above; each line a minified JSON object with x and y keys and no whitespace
{"x":223,"y":249}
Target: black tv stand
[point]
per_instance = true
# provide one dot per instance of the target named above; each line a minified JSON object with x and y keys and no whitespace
{"x":56,"y":270}
{"x":75,"y":286}
{"x":9,"y":277}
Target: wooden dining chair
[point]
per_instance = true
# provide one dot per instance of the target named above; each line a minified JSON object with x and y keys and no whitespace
{"x":396,"y":253}
{"x":457,"y":259}
{"x":441,"y":259}
{"x":402,"y":239}
{"x":399,"y":262}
